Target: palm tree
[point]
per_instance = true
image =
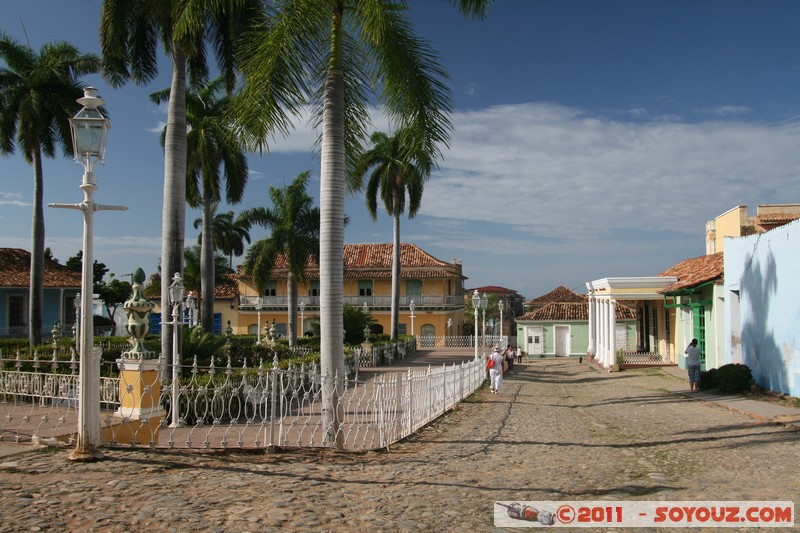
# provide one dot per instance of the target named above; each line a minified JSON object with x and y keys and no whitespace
{"x":395,"y":171}
{"x":294,"y":224}
{"x":37,"y":98}
{"x":214,"y":141}
{"x":192,"y":271}
{"x":129,"y":35}
{"x":338,"y":49}
{"x":229,"y":234}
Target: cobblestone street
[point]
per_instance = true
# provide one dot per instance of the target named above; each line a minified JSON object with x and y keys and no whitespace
{"x":559,"y":430}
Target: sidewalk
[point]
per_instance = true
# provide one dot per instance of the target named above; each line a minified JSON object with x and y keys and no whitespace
{"x":780,"y":414}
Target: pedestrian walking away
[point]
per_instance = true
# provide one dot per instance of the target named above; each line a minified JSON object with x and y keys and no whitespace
{"x":693,"y":365}
{"x":509,"y":355}
{"x":496,"y":372}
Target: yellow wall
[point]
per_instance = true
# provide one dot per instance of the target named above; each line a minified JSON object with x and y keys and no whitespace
{"x":729,"y":224}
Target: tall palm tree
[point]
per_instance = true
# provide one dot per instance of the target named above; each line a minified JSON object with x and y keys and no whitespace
{"x":37,"y":98}
{"x":192,"y":270}
{"x":395,"y":171}
{"x":229,"y":233}
{"x":129,"y":35}
{"x":214,"y":142}
{"x":294,"y":226}
{"x":337,"y":50}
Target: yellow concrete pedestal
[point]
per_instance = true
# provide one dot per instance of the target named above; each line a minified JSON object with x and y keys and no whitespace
{"x":139,"y":416}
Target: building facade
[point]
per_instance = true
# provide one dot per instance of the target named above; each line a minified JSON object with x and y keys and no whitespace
{"x":432,"y":287}
{"x":61,"y":285}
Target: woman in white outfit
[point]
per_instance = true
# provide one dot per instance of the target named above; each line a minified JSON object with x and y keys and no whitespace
{"x":496,"y":372}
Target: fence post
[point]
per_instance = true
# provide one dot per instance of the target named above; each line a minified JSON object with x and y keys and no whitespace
{"x":140,"y":408}
{"x":272,"y":398}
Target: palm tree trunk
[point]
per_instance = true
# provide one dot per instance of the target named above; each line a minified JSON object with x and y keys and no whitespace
{"x":291,"y":328}
{"x":174,"y":208}
{"x":36,"y":289}
{"x":207,"y":274}
{"x":332,"y":190}
{"x":396,"y":271}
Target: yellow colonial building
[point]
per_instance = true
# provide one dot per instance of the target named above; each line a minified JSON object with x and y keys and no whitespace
{"x":433,"y":288}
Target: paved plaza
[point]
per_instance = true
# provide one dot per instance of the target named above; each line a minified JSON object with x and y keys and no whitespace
{"x":558,"y":430}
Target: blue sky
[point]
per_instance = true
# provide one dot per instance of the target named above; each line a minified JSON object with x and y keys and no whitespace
{"x":592,"y":139}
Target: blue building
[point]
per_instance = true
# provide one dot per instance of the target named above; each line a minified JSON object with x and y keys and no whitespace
{"x":762,"y":306}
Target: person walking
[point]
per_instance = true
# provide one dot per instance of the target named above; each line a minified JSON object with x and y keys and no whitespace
{"x":693,"y":365}
{"x":496,"y":372}
{"x":509,"y":355}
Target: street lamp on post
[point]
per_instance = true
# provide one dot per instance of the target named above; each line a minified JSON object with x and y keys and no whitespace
{"x":192,"y":307}
{"x":259,"y":306}
{"x":176,"y":298}
{"x":484,"y":305}
{"x":500,"y":306}
{"x":412,"y":307}
{"x":302,"y":318}
{"x":89,"y":129}
{"x":476,"y":303}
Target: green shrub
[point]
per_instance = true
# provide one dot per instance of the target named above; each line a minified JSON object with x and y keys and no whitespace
{"x":733,"y":378}
{"x":707,"y":379}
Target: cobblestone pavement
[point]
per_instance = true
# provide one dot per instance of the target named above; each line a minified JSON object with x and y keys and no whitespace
{"x":559,"y":430}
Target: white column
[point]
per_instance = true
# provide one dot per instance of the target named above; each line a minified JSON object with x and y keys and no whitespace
{"x":612,"y":331}
{"x":590,"y":350}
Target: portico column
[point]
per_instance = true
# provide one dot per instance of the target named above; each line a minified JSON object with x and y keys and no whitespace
{"x":612,"y":333}
{"x":590,"y":350}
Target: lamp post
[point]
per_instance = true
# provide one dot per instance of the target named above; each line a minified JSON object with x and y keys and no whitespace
{"x":259,"y":306}
{"x":476,"y":303}
{"x":191,"y":306}
{"x":89,"y":129}
{"x":412,"y":307}
{"x":500,"y":306}
{"x":302,"y":318}
{"x":484,"y":305}
{"x":176,"y":298}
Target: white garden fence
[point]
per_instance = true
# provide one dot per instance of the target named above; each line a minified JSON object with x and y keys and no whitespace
{"x":243,"y":407}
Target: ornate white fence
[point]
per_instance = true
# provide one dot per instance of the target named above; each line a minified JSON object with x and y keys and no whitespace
{"x":239,"y":407}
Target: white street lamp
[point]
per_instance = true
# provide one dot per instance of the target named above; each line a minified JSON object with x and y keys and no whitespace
{"x":500,"y":306}
{"x":484,"y":305}
{"x":412,"y":307}
{"x":89,"y":129}
{"x":259,"y":307}
{"x":476,"y":303}
{"x":191,"y":306}
{"x":176,"y":298}
{"x":302,"y":318}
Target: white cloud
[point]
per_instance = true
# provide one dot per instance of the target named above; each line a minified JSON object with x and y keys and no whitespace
{"x":559,"y":176}
{"x":729,"y":110}
{"x":13,"y":198}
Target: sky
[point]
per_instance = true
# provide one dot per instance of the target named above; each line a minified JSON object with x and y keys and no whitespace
{"x":592,"y":139}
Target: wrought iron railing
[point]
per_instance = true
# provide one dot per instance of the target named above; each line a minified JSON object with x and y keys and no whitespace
{"x":237,"y":407}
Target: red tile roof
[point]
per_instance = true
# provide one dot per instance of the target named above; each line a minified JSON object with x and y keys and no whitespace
{"x":572,"y":311}
{"x":777,"y":218}
{"x":375,"y":261}
{"x":559,"y":294}
{"x":692,"y":272}
{"x":16,"y":271}
{"x":492,"y":289}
